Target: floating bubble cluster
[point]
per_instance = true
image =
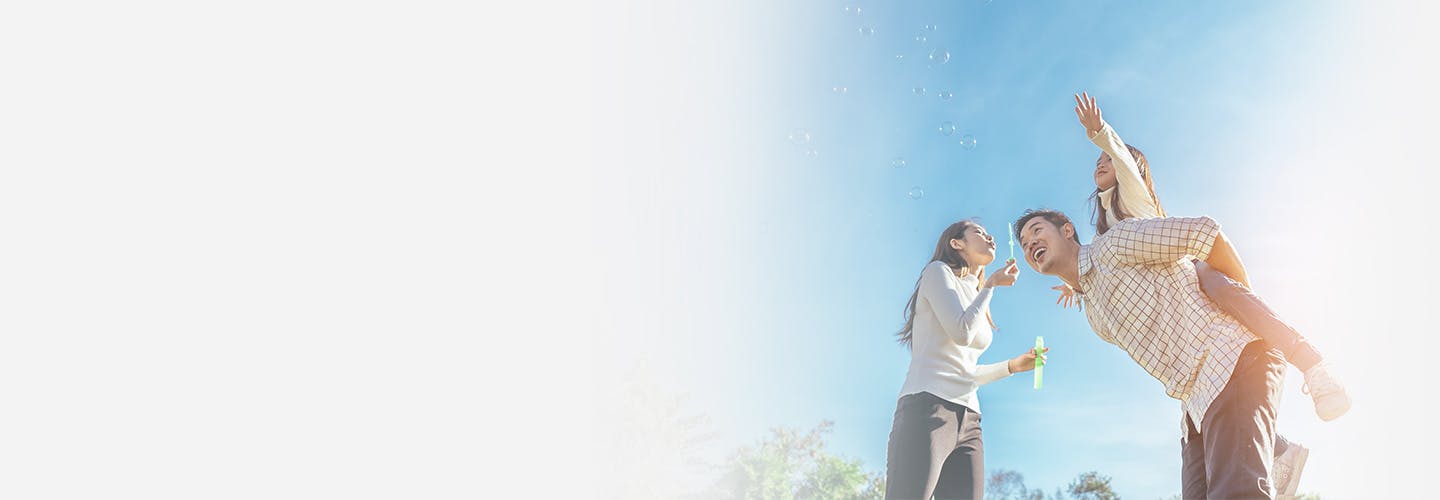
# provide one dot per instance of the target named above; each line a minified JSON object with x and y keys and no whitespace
{"x":933,"y":58}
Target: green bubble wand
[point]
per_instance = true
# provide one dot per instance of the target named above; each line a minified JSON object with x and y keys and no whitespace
{"x":1011,"y":238}
{"x":1039,"y":341}
{"x":1039,"y":361}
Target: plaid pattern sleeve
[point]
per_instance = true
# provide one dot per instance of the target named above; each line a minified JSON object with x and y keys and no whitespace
{"x":1163,"y":240}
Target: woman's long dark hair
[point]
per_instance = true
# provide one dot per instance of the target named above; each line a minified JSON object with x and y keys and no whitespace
{"x":951,"y":257}
{"x":1102,"y":224}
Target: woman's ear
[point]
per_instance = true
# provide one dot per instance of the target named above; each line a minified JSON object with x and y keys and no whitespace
{"x":955,"y":243}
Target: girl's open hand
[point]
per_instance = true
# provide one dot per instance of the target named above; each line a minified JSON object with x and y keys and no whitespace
{"x":1089,"y":113}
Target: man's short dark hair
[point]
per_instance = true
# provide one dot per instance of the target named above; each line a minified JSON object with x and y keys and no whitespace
{"x":1053,"y":216}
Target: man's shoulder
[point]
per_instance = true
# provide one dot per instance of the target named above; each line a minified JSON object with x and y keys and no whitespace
{"x":1118,"y":230}
{"x":1140,"y":222}
{"x":1136,"y":223}
{"x":1151,"y":225}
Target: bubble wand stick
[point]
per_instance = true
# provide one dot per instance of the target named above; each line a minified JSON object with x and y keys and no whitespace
{"x":1011,"y":238}
{"x":1039,"y":341}
{"x":1039,"y":361}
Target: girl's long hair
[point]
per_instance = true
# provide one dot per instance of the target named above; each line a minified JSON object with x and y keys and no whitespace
{"x":1102,"y":223}
{"x":951,"y":257}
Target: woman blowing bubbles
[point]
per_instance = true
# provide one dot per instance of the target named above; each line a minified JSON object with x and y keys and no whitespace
{"x":935,"y":444}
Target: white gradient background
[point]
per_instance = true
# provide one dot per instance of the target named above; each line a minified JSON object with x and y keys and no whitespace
{"x":339,"y":250}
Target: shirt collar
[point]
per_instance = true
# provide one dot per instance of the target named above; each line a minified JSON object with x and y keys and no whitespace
{"x":1083,"y":261}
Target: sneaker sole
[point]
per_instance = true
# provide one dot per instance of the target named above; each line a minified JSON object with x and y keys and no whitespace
{"x":1333,"y":411}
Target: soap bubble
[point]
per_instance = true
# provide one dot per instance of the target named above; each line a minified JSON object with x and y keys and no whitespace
{"x":920,"y":91}
{"x":947,"y":128}
{"x":928,"y":27}
{"x":866,"y":31}
{"x":799,"y":136}
{"x":811,"y":153}
{"x":940,"y":56}
{"x":900,"y":58}
{"x":898,"y":162}
{"x":840,"y":90}
{"x":967,"y":141}
{"x":921,"y":38}
{"x":945,"y":94}
{"x":852,"y":9}
{"x":916,"y":193}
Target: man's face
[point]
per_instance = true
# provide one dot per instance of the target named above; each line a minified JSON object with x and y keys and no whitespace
{"x":1048,"y":249}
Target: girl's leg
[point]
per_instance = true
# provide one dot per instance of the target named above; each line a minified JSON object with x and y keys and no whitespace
{"x":1240,"y":303}
{"x":923,"y":434}
{"x":1325,"y":390}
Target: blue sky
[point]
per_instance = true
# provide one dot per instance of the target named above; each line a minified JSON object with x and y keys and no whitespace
{"x":820,"y":251}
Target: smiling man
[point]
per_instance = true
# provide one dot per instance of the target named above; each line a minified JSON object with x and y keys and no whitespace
{"x":1138,"y":287}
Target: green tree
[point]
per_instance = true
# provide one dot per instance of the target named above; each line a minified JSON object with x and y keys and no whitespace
{"x":1010,"y":485}
{"x":1092,"y":486}
{"x":789,"y":465}
{"x":833,"y":477}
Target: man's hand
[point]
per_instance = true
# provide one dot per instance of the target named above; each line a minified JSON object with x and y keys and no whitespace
{"x":1067,"y":295}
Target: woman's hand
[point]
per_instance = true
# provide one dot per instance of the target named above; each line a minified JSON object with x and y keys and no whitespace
{"x":1026,"y":362}
{"x":1067,"y":295}
{"x":1005,"y":277}
{"x":1089,"y":113}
